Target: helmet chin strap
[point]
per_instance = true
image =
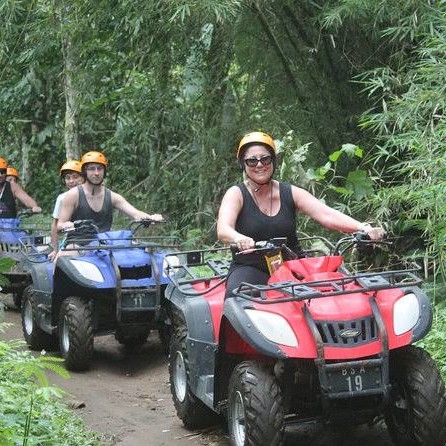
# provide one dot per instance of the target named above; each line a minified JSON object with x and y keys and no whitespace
{"x":94,"y":185}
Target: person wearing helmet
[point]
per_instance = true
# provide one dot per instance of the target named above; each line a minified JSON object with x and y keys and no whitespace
{"x":12,"y":175}
{"x":71,"y":176}
{"x":261,"y":208}
{"x":10,"y":192}
{"x":93,"y":201}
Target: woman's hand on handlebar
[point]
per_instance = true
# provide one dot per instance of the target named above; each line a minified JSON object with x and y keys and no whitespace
{"x":374,"y":232}
{"x":244,"y":244}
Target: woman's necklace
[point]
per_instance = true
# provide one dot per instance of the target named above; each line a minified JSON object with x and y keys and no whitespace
{"x":264,"y":209}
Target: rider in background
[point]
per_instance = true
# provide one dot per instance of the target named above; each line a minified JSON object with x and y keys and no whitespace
{"x":261,"y":208}
{"x":9,"y":192}
{"x":93,"y":201}
{"x":12,"y":175}
{"x":70,"y":174}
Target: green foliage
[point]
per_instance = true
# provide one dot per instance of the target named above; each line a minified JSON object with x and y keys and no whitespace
{"x":32,"y":412}
{"x":434,"y":341}
{"x":5,"y":265}
{"x":410,"y":128}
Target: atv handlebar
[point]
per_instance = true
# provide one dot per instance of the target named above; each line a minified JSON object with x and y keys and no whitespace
{"x":261,"y":246}
{"x":350,"y":241}
{"x":356,"y":239}
{"x":144,"y":223}
{"x":27,"y":213}
{"x":80,"y":225}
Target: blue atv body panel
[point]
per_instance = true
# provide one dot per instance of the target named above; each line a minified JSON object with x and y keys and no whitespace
{"x":123,"y":278}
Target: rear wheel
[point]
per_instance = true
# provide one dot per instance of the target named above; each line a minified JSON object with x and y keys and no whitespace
{"x":132,"y":342}
{"x":255,"y":406}
{"x":190,"y":409}
{"x":417,"y":412}
{"x":35,"y":337}
{"x":76,"y":332}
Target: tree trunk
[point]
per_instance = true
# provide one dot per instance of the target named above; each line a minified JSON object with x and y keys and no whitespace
{"x":71,"y":102}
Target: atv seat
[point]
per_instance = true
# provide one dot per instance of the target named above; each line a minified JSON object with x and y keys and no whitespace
{"x":308,"y":269}
{"x":120,"y":237}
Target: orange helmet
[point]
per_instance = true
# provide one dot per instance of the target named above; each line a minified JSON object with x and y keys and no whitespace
{"x":94,"y":157}
{"x":10,"y":171}
{"x":3,"y":163}
{"x":73,"y":165}
{"x":256,"y":137}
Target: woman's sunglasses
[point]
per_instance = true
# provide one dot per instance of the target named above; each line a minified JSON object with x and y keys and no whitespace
{"x":264,"y":160}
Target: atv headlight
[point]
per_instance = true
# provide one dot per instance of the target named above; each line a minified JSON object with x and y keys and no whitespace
{"x":406,"y":313}
{"x":273,"y":327}
{"x":167,"y":266}
{"x":89,"y":270}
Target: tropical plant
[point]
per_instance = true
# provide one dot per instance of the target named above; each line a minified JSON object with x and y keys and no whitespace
{"x":32,"y":412}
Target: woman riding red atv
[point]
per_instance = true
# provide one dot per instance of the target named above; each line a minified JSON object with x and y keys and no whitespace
{"x":261,"y":208}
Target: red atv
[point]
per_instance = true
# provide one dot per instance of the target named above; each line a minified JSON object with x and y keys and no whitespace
{"x":317,"y":343}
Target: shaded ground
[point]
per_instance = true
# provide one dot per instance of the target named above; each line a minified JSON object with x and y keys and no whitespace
{"x":127,"y":398}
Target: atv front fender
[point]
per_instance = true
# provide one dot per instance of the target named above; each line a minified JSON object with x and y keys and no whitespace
{"x":234,"y":312}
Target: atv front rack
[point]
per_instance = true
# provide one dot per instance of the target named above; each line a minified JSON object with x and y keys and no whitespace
{"x":200,"y":266}
{"x":33,"y":247}
{"x":301,"y":290}
{"x":149,"y":243}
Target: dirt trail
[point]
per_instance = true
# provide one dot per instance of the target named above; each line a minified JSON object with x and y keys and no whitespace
{"x":127,"y":398}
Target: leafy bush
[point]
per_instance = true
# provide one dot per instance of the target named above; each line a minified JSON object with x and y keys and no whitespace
{"x":434,"y":341}
{"x":31,"y":411}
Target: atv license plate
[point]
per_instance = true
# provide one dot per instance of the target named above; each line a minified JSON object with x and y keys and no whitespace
{"x":138,"y":300}
{"x":354,"y":379}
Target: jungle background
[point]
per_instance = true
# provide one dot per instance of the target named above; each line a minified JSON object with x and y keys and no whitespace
{"x":353,"y":91}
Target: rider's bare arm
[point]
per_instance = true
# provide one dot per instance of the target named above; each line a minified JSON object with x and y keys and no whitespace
{"x":24,"y":198}
{"x":331,"y":218}
{"x":230,"y":207}
{"x":67,"y":208}
{"x":119,"y":202}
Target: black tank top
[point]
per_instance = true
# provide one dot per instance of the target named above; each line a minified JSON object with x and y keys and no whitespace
{"x":253,"y":223}
{"x":102,"y":219}
{"x":7,"y":202}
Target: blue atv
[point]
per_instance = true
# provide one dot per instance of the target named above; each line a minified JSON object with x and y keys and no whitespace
{"x":13,"y":236}
{"x":113,"y":284}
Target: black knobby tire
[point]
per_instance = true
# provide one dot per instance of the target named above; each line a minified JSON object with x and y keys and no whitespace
{"x":417,"y":412}
{"x":132,"y":343}
{"x":35,"y":337}
{"x":193,"y":412}
{"x":165,"y":334}
{"x":255,"y":406}
{"x":17,"y":299}
{"x":76,"y":332}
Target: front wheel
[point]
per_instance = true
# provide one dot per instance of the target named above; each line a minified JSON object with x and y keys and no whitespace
{"x":417,"y":411}
{"x":193,"y":412}
{"x":17,"y":299}
{"x":76,"y":332}
{"x":255,"y":406}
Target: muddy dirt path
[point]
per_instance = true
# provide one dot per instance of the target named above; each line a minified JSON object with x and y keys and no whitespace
{"x":127,"y":398}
